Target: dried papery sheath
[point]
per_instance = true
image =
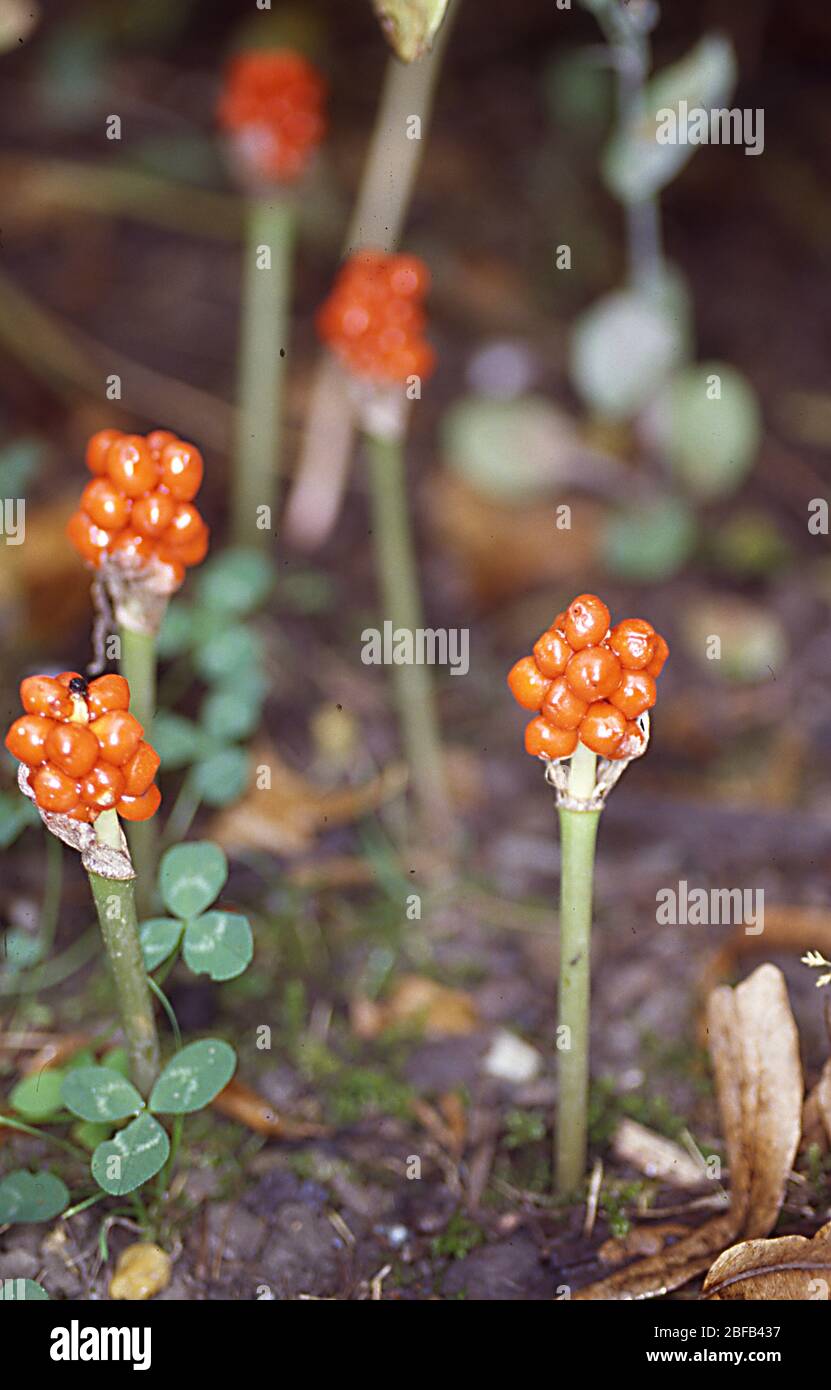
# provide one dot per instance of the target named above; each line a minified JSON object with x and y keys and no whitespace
{"x":138,"y":594}
{"x":96,"y":858}
{"x":609,"y":773}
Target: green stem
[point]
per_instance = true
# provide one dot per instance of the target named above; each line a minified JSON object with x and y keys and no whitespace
{"x":398,"y":579}
{"x":578,"y":833}
{"x":263,"y":345}
{"x":387,"y":183}
{"x":116,"y":907}
{"x":138,"y":667}
{"x":185,"y":807}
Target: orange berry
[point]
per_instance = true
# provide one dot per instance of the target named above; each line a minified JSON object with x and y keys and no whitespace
{"x":102,"y":787}
{"x":153,"y":513}
{"x":632,"y":743}
{"x":98,"y":449}
{"x":182,"y":469}
{"x":119,"y":735}
{"x":157,"y":439}
{"x":170,"y":573}
{"x":82,"y":813}
{"x":140,"y":807}
{"x":637,"y":692}
{"x":186,"y":524}
{"x":408,"y":276}
{"x":633,"y":642}
{"x":140,"y":770}
{"x":561,"y":706}
{"x":102,"y":501}
{"x":106,"y":693}
{"x":658,"y":661}
{"x":131,"y":549}
{"x":54,"y":791}
{"x":26,"y":739}
{"x":552,"y":653}
{"x":593,"y":673}
{"x":544,"y":740}
{"x":603,"y":728}
{"x":72,"y":748}
{"x":44,"y":695}
{"x":190,"y":552}
{"x":131,"y":466}
{"x":527,"y":684}
{"x":586,"y":621}
{"x":65,"y":678}
{"x":89,"y":540}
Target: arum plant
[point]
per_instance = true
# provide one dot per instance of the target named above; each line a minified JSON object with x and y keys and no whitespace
{"x":271,"y":110}
{"x":84,"y":762}
{"x":373,"y":322}
{"x":137,"y":527}
{"x":418,"y":31}
{"x":591,"y":687}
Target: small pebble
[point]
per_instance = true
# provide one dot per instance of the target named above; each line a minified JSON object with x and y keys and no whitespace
{"x":142,"y":1271}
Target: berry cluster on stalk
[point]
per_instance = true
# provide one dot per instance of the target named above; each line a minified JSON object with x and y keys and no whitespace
{"x":84,"y":750}
{"x":589,"y":682}
{"x":272,"y":105}
{"x":138,"y":508}
{"x":374,"y":318}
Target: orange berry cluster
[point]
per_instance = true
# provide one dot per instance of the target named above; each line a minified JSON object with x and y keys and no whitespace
{"x":84,"y":749}
{"x":139,"y":505}
{"x":374,"y":320}
{"x":273,"y":104}
{"x":589,"y":682}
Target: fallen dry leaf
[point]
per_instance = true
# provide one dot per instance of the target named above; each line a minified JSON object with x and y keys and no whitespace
{"x":655,"y":1156}
{"x":437,"y":1010}
{"x":506,"y":550}
{"x":755,"y":1052}
{"x":287,"y":817}
{"x":789,"y":1267}
{"x":816,"y":1113}
{"x":641,"y":1240}
{"x":55,"y":1052}
{"x":787,"y":928}
{"x":239,"y":1102}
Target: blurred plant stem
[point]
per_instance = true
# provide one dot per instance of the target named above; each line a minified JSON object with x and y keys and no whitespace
{"x":383,"y":201}
{"x":266,"y":291}
{"x":116,"y":907}
{"x":398,"y":580}
{"x":632,"y":59}
{"x":578,"y":834}
{"x":138,"y":667}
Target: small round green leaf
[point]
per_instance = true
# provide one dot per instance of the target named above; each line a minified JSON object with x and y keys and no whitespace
{"x":652,"y":541}
{"x":38,"y":1096}
{"x":623,"y":349}
{"x":100,"y":1094}
{"x":712,"y":427}
{"x":22,"y":1291}
{"x":223,"y":777}
{"x":230,"y":714}
{"x":218,"y":944}
{"x":236,"y":582}
{"x":193,"y":1077}
{"x":177,"y":741}
{"x":192,"y":876}
{"x":31,"y":1197}
{"x":510,"y":450}
{"x":229,"y":653}
{"x":131,"y":1157}
{"x":159,"y":937}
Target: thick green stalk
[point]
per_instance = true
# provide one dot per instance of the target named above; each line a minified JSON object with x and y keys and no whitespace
{"x":398,"y":579}
{"x":138,"y":667}
{"x":116,"y":908}
{"x":266,"y":294}
{"x":578,"y":833}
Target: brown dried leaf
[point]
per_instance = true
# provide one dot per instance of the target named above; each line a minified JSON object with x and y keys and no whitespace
{"x":641,"y":1240}
{"x":286,"y":817}
{"x":655,"y":1155}
{"x":755,"y":1053}
{"x":437,"y":1010}
{"x":789,"y":1267}
{"x":239,"y":1102}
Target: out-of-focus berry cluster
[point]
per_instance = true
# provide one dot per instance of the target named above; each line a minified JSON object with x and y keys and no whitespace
{"x":139,"y":505}
{"x":84,"y":750}
{"x":589,"y":682}
{"x":272,"y":105}
{"x":374,"y":318}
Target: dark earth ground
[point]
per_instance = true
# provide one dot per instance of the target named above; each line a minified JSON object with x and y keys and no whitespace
{"x":735,"y":790}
